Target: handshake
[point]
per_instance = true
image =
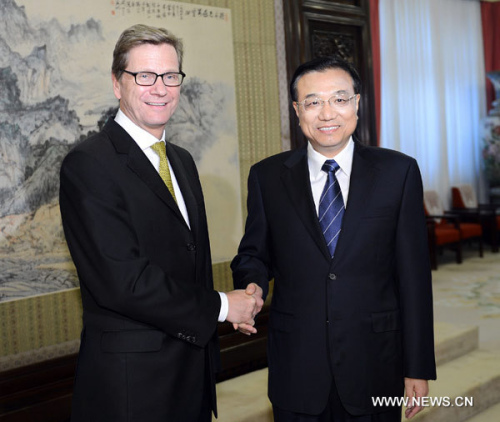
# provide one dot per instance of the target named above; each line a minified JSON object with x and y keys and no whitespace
{"x":244,"y":305}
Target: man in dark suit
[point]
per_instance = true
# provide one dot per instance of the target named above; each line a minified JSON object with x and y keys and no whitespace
{"x":134,"y":219}
{"x":351,"y":313}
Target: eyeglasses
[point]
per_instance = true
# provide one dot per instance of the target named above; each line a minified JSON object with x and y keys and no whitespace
{"x":338,"y":102}
{"x":149,"y":78}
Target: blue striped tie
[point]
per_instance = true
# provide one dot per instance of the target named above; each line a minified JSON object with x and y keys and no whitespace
{"x":331,"y":206}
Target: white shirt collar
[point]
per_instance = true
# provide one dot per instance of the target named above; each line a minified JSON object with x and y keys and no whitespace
{"x":343,"y":159}
{"x":142,"y":137}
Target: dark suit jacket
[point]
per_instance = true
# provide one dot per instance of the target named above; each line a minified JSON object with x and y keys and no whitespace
{"x":150,"y":312}
{"x":364,"y":317}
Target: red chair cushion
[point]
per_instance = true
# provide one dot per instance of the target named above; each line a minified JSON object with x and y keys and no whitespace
{"x":446,"y":234}
{"x":470,"y":230}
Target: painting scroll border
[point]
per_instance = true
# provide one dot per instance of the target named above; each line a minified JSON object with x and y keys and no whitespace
{"x":48,"y":326}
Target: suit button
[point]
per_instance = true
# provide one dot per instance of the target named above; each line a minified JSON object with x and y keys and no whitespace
{"x":191,"y":247}
{"x":332,"y":276}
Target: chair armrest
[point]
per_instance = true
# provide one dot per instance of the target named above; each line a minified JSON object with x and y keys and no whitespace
{"x":464,"y":211}
{"x":493,"y":208}
{"x":452,"y":218}
{"x":448,"y":215}
{"x":468,"y":214}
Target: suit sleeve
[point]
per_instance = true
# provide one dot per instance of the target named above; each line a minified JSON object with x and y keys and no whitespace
{"x":120,"y":280}
{"x":415,"y":281}
{"x":252,"y":263}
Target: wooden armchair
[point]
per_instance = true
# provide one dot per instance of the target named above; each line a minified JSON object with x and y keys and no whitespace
{"x":442,"y":230}
{"x":465,"y":204}
{"x":446,"y":229}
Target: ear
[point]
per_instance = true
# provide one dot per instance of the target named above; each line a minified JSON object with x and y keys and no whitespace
{"x":116,"y":86}
{"x":358,"y":98}
{"x":296,"y":107}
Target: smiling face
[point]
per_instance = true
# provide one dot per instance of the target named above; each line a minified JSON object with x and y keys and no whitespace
{"x":329,"y":128}
{"x":149,"y":107}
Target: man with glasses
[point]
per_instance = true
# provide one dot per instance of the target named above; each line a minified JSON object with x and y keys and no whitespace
{"x":134,"y":219}
{"x":340,"y":227}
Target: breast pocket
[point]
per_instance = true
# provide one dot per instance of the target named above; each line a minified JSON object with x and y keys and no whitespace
{"x":379,"y":213}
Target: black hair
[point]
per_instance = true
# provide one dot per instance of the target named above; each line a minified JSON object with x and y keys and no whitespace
{"x":321,"y":64}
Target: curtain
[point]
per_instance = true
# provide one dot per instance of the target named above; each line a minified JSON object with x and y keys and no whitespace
{"x":433,"y":88}
{"x":375,"y":36}
{"x":490,"y":14}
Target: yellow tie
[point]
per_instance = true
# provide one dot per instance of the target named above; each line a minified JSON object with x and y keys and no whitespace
{"x":160,"y":149}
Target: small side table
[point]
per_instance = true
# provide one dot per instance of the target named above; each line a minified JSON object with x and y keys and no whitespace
{"x":495,"y":195}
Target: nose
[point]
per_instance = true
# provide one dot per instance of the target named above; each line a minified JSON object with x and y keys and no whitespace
{"x":159,"y":87}
{"x":328,"y":112}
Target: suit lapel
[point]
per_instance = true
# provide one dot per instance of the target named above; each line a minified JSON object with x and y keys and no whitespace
{"x":137,"y":161}
{"x":185,"y":184}
{"x":296,"y":179}
{"x":363,"y":176}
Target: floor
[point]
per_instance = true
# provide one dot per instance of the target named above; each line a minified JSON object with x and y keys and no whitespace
{"x":464,"y":294}
{"x":470,"y":293}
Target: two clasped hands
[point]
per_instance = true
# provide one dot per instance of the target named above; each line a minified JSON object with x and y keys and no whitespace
{"x":244,"y":305}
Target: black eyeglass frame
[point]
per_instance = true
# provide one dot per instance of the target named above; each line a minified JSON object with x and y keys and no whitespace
{"x":134,"y":74}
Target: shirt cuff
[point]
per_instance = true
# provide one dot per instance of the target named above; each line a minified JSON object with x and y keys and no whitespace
{"x":224,"y":307}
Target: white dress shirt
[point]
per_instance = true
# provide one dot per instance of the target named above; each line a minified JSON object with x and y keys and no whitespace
{"x":318,"y":177}
{"x":145,"y":140}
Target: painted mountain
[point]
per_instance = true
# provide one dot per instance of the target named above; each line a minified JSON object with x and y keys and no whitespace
{"x":52,"y":95}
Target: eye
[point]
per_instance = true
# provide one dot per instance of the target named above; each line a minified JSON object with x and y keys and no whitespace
{"x":144,"y":76}
{"x":313,"y":103}
{"x":340,"y":101}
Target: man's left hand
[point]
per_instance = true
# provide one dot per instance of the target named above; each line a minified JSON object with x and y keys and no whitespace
{"x":415,"y":388}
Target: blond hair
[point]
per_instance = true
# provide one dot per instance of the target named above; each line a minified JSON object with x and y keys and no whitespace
{"x":138,"y":35}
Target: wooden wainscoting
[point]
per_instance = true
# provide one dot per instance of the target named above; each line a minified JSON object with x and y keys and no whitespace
{"x":42,"y":392}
